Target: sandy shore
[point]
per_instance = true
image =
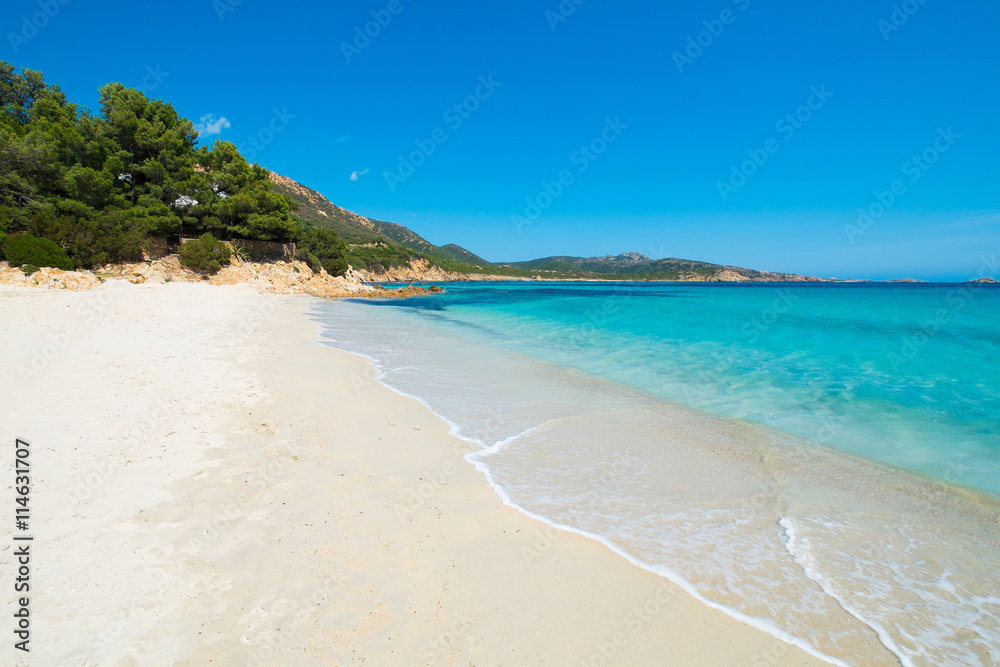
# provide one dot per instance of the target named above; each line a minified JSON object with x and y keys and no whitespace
{"x":209,"y":486}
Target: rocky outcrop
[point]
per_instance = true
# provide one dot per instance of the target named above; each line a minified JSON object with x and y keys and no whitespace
{"x":268,"y":278}
{"x":985,"y":280}
{"x":288,"y":278}
{"x":281,"y":277}
{"x":419,"y":271}
{"x":728,"y":277}
{"x":732,"y":275}
{"x":308,"y":197}
{"x":627,"y":258}
{"x":48,"y":278}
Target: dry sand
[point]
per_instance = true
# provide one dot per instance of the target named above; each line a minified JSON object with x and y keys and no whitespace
{"x":210,"y":486}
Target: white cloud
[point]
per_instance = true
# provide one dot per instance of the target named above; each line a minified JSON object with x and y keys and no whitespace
{"x":346,"y":139}
{"x":209,"y":125}
{"x":357,"y":174}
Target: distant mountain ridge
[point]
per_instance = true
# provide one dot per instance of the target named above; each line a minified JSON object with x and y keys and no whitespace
{"x":379,"y":246}
{"x":359,"y":231}
{"x":636,"y":266}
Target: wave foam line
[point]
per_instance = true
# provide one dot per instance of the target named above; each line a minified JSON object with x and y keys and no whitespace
{"x":805,"y":559}
{"x":764,"y":625}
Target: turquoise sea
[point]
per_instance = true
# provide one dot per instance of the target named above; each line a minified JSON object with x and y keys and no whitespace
{"x":820,"y":460}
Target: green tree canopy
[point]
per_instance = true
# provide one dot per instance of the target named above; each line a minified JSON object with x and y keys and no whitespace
{"x":97,"y":185}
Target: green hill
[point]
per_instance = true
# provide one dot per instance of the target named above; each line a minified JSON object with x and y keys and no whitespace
{"x":635,"y":266}
{"x":321,"y":212}
{"x":374,"y":242}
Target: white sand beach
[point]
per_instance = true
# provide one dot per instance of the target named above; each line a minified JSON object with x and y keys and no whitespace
{"x":211,"y":486}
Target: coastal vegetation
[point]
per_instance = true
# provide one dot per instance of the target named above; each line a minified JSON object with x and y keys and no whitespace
{"x":322,"y":248}
{"x":31,"y":251}
{"x":206,"y":255}
{"x":101,"y":186}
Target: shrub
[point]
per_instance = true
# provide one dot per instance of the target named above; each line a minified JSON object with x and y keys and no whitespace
{"x":91,"y":238}
{"x":326,"y":248}
{"x":206,"y":255}
{"x":23,"y":249}
{"x":310,"y":259}
{"x":379,"y":258}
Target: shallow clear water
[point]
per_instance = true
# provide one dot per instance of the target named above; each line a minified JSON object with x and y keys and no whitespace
{"x":730,"y":437}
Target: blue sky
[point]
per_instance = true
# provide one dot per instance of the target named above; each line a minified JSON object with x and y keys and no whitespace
{"x":650,"y":145}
